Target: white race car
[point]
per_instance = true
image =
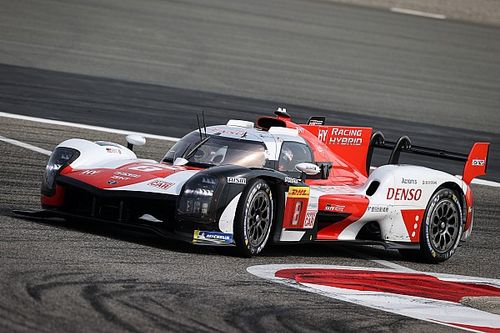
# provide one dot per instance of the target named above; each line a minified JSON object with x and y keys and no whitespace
{"x":244,"y":185}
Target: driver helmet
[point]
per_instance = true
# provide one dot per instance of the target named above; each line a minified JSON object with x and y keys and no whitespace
{"x":286,"y":159}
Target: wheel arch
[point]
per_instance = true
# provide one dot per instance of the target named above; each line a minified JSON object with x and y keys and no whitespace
{"x":239,"y":228}
{"x":278,"y":189}
{"x":461,"y":196}
{"x":95,"y":153}
{"x":427,"y":251}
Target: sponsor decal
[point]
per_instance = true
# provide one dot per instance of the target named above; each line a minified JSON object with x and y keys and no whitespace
{"x":478,"y":162}
{"x":298,"y":192}
{"x":90,"y":172}
{"x":429,"y":182}
{"x":237,"y":180}
{"x":316,"y":122}
{"x":404,"y":194}
{"x":378,"y":209}
{"x":112,"y":182}
{"x":292,"y":180}
{"x":215,"y":237}
{"x":231,"y":131}
{"x":310,"y":218}
{"x":439,"y":298}
{"x":334,"y":208}
{"x":113,"y":150}
{"x":342,"y":136}
{"x":161,"y":184}
{"x":296,"y":207}
{"x":408,"y":181}
{"x":127,"y":174}
{"x":119,"y":177}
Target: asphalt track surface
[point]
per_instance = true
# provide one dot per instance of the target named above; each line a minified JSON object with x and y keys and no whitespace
{"x":172,"y":112}
{"x":313,"y":53}
{"x":64,"y":276}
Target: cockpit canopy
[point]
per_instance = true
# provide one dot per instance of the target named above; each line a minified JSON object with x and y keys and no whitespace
{"x":214,"y":150}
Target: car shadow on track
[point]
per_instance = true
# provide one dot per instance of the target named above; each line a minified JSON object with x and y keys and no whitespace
{"x":132,"y":235}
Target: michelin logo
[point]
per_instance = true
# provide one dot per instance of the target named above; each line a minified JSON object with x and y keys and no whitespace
{"x":213,"y":237}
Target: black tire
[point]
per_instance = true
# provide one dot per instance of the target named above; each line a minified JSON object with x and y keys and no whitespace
{"x":442,"y":227}
{"x":254,"y":218}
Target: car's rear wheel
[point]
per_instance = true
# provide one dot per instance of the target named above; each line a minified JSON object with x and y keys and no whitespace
{"x":442,"y":227}
{"x":254,"y":218}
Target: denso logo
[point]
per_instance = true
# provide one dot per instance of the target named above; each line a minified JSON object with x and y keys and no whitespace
{"x":407,"y":194}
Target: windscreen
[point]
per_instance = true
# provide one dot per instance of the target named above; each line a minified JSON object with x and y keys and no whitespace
{"x":216,"y":150}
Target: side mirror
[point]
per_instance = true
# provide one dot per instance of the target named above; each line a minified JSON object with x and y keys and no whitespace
{"x":135,"y":140}
{"x":308,"y":169}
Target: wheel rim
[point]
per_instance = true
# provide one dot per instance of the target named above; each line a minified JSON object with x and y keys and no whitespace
{"x":444,"y":226}
{"x":259,"y":218}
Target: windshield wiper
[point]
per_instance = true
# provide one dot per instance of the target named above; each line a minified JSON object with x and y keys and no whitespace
{"x":195,"y":148}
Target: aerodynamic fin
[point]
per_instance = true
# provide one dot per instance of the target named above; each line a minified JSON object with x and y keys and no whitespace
{"x":477,"y":162}
{"x":350,"y":143}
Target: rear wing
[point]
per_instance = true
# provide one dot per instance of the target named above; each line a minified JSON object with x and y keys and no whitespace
{"x":476,"y":162}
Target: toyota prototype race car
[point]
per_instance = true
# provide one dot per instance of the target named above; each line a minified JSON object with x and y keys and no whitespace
{"x":248,"y":185}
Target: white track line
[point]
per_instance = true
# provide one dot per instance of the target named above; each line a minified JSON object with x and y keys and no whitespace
{"x":146,"y":135}
{"x":483,"y":182}
{"x":25,"y":145}
{"x":83,"y":126}
{"x":417,"y":13}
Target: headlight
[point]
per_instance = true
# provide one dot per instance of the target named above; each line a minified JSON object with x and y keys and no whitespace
{"x":60,"y":158}
{"x":197,"y":196}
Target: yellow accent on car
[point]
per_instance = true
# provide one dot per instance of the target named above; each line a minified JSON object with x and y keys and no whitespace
{"x":298,"y":192}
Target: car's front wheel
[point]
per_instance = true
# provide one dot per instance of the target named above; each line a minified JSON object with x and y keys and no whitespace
{"x":254,"y":218}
